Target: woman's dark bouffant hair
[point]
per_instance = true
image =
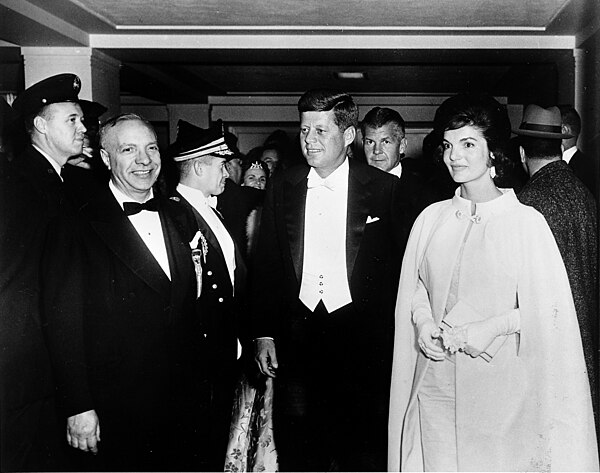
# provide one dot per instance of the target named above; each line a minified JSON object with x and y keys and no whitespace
{"x":483,"y":112}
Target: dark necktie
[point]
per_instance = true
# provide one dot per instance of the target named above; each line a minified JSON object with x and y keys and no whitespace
{"x":132,"y":208}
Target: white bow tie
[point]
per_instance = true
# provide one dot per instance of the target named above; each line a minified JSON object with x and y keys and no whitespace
{"x":316,"y":181}
{"x":212,"y":201}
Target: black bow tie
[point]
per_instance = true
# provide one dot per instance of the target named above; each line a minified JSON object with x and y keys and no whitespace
{"x":132,"y":208}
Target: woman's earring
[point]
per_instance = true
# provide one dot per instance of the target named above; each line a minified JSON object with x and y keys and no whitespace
{"x":492,"y":167}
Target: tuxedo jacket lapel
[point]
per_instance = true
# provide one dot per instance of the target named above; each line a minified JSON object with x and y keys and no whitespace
{"x":114,"y":228}
{"x":178,"y":250}
{"x":294,"y":198}
{"x":359,"y":195}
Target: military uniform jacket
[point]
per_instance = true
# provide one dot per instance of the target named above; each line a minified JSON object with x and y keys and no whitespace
{"x":219,"y":302}
{"x":31,"y":196}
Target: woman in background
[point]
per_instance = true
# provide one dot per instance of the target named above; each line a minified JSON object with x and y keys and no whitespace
{"x":255,"y":175}
{"x":488,"y":368}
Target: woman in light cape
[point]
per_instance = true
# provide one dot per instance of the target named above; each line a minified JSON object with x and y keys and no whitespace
{"x":488,"y":372}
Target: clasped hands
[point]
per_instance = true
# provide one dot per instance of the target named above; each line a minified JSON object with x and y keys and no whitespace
{"x":479,"y":336}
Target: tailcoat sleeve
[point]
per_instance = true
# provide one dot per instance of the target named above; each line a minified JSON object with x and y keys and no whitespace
{"x":267,"y":280}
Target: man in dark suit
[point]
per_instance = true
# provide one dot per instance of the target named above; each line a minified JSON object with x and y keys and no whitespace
{"x":31,"y":197}
{"x":201,"y":157}
{"x":123,"y":333}
{"x":384,"y":145}
{"x":574,"y":157}
{"x":328,"y":262}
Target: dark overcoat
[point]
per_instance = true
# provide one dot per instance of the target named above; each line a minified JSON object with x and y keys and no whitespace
{"x":570,"y":210}
{"x":31,"y":196}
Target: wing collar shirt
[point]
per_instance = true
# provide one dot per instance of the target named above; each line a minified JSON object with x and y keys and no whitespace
{"x":202,"y":204}
{"x":53,"y":163}
{"x":396,"y":170}
{"x":568,"y":154}
{"x":148,"y":226}
{"x":324,"y":273}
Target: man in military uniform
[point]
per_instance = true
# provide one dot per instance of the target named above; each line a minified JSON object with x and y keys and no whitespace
{"x":31,"y":197}
{"x":201,"y":157}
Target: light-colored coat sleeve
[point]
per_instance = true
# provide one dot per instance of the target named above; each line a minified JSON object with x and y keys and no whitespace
{"x":405,"y":348}
{"x":551,"y":348}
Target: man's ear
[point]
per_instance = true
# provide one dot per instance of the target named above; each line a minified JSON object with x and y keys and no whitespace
{"x":566,"y":129}
{"x":349,"y":135}
{"x":197,"y":165}
{"x":403,"y":144}
{"x":40,"y":124}
{"x":105,"y":157}
{"x":523,"y":159}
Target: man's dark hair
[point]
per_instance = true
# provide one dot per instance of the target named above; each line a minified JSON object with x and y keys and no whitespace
{"x":323,"y":100}
{"x":381,"y":116}
{"x":570,"y":117}
{"x":541,"y":148}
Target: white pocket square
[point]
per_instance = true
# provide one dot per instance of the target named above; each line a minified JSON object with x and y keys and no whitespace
{"x":372,"y":219}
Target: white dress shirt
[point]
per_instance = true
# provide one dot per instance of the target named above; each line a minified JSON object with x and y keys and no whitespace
{"x":148,"y":226}
{"x":324,"y":273}
{"x":568,"y":154}
{"x":201,"y":203}
{"x":396,"y":170}
{"x":53,"y":163}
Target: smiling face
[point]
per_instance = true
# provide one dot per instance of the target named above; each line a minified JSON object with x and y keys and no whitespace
{"x":466,"y":155}
{"x":130,"y":151}
{"x":383,"y":147}
{"x":323,"y":144}
{"x":60,"y":131}
{"x":255,"y":177}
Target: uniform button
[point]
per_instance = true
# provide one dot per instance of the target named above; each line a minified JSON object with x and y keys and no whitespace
{"x":220,"y":299}
{"x":214,"y":286}
{"x":321,"y":292}
{"x":320,"y":284}
{"x":204,"y":335}
{"x":320,"y":276}
{"x":209,"y":273}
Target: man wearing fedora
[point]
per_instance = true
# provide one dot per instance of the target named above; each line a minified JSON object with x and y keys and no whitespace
{"x":32,"y":195}
{"x":570,"y":210}
{"x":201,"y":156}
